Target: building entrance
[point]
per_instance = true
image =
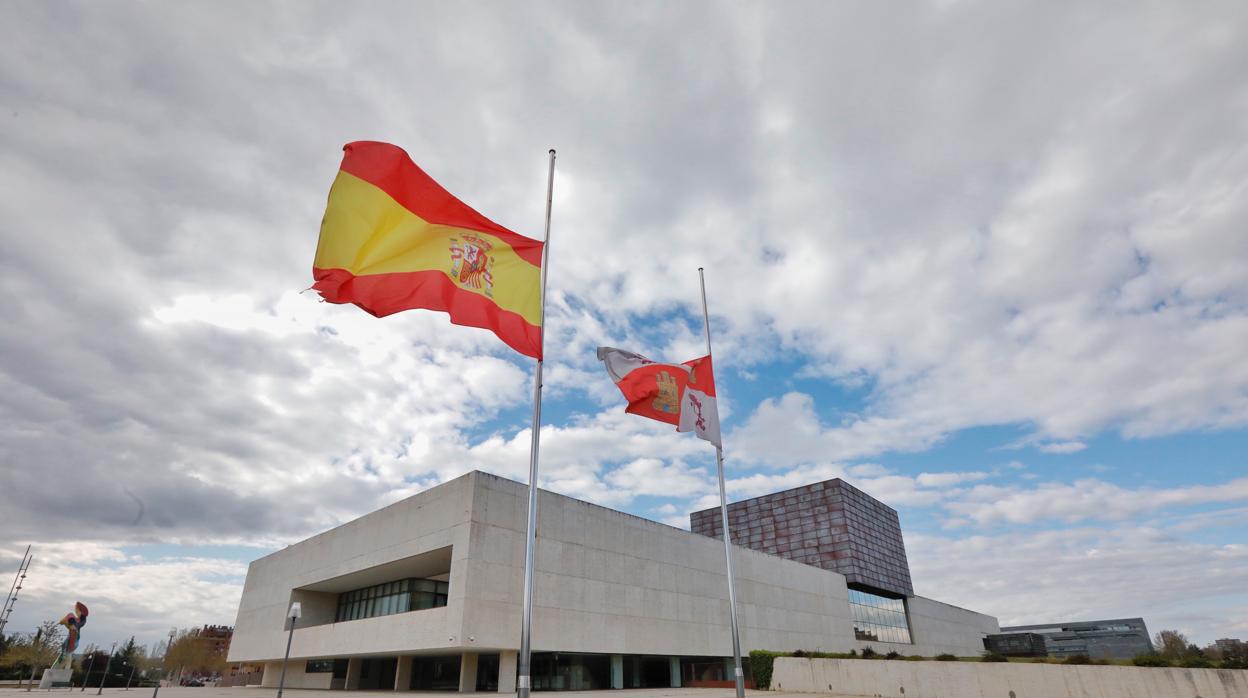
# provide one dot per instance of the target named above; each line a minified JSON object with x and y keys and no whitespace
{"x":487,"y":673}
{"x":378,"y":673}
{"x":647,"y":672}
{"x":437,"y":673}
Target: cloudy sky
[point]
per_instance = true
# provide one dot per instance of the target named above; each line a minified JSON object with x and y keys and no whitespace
{"x":987,"y":261}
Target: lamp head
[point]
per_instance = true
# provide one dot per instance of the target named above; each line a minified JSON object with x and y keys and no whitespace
{"x":296,"y":610}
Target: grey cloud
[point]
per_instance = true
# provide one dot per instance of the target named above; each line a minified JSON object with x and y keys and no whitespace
{"x":989,"y":213}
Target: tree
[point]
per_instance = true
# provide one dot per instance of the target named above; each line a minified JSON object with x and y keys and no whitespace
{"x":25,"y":652}
{"x":95,"y":664}
{"x":195,"y":653}
{"x":1235,"y":656}
{"x":1171,"y":644}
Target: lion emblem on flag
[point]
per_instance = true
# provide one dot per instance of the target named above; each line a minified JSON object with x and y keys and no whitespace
{"x":472,"y":263}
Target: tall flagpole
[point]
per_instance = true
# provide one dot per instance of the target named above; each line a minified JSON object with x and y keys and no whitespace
{"x":523,"y":665}
{"x":738,"y":675}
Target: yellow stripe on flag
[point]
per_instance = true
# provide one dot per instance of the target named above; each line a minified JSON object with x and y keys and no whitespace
{"x":366,"y":232}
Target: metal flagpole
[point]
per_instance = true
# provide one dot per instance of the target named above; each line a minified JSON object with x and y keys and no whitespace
{"x":523,"y":665}
{"x":738,"y":675}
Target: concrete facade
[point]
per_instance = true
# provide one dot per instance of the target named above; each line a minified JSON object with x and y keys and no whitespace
{"x":606,"y":583}
{"x":901,"y":679}
{"x":832,"y":525}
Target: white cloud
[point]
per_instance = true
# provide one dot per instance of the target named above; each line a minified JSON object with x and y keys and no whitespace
{"x":1083,"y":500}
{"x":1062,"y":447}
{"x":1087,"y":573}
{"x":967,"y":234}
{"x":127,"y":594}
{"x":947,"y":479}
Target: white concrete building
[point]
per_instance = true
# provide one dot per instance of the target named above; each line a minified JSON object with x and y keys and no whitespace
{"x":426,"y":593}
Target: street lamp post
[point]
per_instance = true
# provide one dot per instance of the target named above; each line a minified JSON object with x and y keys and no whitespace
{"x":86,"y":675}
{"x":106,"y":666}
{"x":295,"y":611}
{"x":132,"y":668}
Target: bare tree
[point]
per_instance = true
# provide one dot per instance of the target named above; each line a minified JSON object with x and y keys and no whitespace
{"x":1171,"y":644}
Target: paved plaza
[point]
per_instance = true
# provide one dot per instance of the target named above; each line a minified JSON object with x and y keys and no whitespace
{"x":186,"y":692}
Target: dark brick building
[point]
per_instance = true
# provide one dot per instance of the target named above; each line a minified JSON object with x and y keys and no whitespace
{"x":832,"y":525}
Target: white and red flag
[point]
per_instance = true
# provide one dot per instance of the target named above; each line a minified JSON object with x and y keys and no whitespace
{"x":679,"y":394}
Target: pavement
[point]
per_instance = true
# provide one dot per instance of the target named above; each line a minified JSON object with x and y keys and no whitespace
{"x":238,"y":692}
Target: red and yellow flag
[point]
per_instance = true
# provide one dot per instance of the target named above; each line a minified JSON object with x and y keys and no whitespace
{"x":393,"y":239}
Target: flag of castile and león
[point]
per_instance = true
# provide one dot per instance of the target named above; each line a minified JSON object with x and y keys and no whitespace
{"x":680,"y":394}
{"x":393,"y":239}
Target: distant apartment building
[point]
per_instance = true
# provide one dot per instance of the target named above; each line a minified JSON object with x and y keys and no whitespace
{"x":217,"y":637}
{"x":1230,"y":645}
{"x":1121,"y":638}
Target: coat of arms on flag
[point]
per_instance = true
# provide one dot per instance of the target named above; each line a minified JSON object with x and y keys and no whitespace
{"x":471,"y":263}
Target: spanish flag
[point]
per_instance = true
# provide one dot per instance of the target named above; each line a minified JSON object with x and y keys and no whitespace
{"x":393,"y":239}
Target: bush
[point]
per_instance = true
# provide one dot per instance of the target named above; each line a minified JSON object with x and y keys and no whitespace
{"x":1150,"y":659}
{"x":853,"y":654}
{"x":946,"y":658}
{"x":1040,"y":660}
{"x":1196,"y":662}
{"x":868,"y":653}
{"x":994,"y":657}
{"x":762,"y":663}
{"x":893,"y":655}
{"x":1077,"y":659}
{"x":1234,"y":663}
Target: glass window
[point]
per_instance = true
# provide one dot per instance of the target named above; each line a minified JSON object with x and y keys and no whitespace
{"x":392,"y":597}
{"x":878,"y":618}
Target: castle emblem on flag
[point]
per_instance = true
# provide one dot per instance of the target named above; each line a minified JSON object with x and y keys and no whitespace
{"x":471,"y":263}
{"x":668,"y":398}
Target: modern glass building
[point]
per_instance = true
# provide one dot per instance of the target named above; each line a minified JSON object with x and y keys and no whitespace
{"x":1121,"y":638}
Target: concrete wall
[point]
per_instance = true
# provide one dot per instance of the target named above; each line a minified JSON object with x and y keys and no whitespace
{"x":605,"y":582}
{"x":901,"y":679}
{"x":296,"y":677}
{"x":615,"y":583}
{"x":939,"y":628}
{"x":426,"y":522}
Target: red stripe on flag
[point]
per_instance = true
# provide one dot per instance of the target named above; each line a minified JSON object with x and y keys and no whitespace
{"x":389,"y":168}
{"x":385,"y":294}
